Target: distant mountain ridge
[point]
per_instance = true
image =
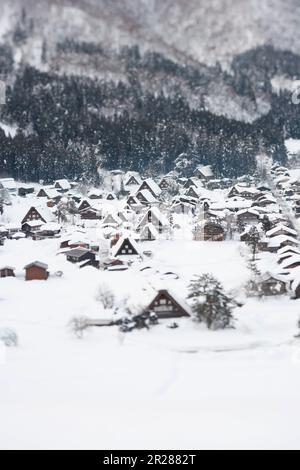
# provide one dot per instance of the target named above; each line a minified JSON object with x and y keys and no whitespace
{"x":142,"y":82}
{"x":195,"y":33}
{"x":202,"y":31}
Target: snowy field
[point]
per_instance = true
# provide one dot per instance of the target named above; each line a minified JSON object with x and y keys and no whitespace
{"x":185,"y":388}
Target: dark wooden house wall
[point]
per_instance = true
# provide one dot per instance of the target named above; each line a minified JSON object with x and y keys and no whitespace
{"x":166,"y":307}
{"x":36,"y":274}
{"x":6,"y":273}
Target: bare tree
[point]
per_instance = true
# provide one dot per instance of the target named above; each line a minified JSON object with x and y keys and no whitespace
{"x":9,"y":337}
{"x":106,"y":297}
{"x":78,"y":325}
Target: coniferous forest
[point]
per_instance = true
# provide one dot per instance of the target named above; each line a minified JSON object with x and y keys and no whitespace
{"x":70,"y":125}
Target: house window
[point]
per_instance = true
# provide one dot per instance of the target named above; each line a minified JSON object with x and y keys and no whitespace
{"x":164,"y":308}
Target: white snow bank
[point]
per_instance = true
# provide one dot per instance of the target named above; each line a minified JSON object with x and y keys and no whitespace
{"x":10,"y":131}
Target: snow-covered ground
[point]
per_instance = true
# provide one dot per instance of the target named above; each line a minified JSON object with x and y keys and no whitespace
{"x":10,"y":131}
{"x":163,"y":388}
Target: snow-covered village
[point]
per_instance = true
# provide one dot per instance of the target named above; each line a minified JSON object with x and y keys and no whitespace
{"x":136,"y":289}
{"x":149,"y":228}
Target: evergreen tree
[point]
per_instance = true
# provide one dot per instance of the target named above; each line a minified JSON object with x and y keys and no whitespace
{"x":210,"y":304}
{"x":254,"y":239}
{"x":62,"y":211}
{"x":122,"y":193}
{"x":44,"y":52}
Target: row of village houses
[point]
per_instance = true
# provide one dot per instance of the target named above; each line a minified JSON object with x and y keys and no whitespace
{"x":151,"y":223}
{"x":129,"y":179}
{"x":283,"y":240}
{"x":243,"y":207}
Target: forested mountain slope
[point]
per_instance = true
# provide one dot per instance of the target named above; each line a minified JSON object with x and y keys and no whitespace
{"x":136,"y":84}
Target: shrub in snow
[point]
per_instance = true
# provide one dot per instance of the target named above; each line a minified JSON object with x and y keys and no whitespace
{"x":106,"y":297}
{"x":8,"y":337}
{"x":138,"y":322}
{"x":210,"y":304}
{"x":78,"y":325}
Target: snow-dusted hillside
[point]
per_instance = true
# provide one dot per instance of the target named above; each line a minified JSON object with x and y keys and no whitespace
{"x":197,"y":30}
{"x":196,"y":33}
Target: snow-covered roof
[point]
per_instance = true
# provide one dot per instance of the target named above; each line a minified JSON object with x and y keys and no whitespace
{"x":292,"y":146}
{"x":45,"y":213}
{"x":277,"y":241}
{"x":37,"y":264}
{"x":205,"y":170}
{"x":51,"y":226}
{"x":8,"y":183}
{"x":157,"y":214}
{"x":95,"y":192}
{"x":281,"y":179}
{"x":268,"y":275}
{"x":196,"y":181}
{"x":112,"y":219}
{"x":109,"y":231}
{"x":50,"y":192}
{"x":245,"y":189}
{"x":94,"y":204}
{"x":132,"y":174}
{"x":281,"y":228}
{"x":248,"y":211}
{"x":153,"y":186}
{"x":77,"y":252}
{"x":290,"y":261}
{"x":267,"y":197}
{"x":18,"y":235}
{"x":26,"y":186}
{"x":152,"y":229}
{"x":13,"y":226}
{"x":238,"y":203}
{"x":197,"y":190}
{"x":34,"y":223}
{"x":287,"y":249}
{"x":187,"y":204}
{"x":148,"y":196}
{"x":63,"y":184}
